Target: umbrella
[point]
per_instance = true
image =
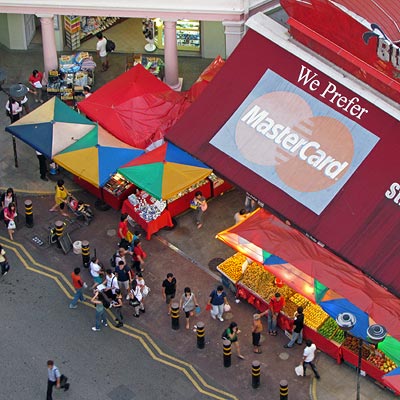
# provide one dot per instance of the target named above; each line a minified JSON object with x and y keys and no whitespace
{"x":392,"y":380}
{"x":165,"y":171}
{"x":96,"y":156}
{"x":51,"y":127}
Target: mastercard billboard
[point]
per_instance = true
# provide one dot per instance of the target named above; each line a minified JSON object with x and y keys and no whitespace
{"x":295,"y":141}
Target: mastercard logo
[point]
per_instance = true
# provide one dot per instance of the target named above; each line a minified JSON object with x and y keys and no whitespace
{"x":309,"y":153}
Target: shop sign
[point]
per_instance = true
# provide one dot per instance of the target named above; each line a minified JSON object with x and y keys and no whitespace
{"x":295,"y":141}
{"x":393,"y":193}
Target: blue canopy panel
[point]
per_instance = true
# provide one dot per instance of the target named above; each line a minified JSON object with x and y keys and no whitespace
{"x":111,"y":158}
{"x":37,"y":136}
{"x":175,"y":154}
{"x":274,"y":260}
{"x":338,"y":306}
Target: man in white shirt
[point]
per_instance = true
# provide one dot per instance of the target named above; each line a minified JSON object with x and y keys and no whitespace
{"x":111,"y":283}
{"x":95,"y":270}
{"x":308,"y":358}
{"x":102,"y":51}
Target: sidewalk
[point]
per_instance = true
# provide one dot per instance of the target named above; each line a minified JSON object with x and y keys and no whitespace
{"x":199,"y":249}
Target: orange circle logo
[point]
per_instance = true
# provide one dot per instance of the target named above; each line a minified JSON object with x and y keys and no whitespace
{"x":309,"y":153}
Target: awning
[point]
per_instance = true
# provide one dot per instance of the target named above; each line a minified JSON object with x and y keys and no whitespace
{"x":314,"y":146}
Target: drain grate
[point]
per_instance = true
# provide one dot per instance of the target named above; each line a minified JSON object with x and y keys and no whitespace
{"x":37,"y":241}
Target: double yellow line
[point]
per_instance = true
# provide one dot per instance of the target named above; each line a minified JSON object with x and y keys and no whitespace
{"x":145,"y":340}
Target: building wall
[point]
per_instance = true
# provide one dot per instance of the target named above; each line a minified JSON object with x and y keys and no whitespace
{"x":4,"y":33}
{"x":213,"y":39}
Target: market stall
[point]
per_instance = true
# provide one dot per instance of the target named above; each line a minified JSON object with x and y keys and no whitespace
{"x":151,"y":214}
{"x":257,"y":274}
{"x":169,"y":173}
{"x":155,"y":65}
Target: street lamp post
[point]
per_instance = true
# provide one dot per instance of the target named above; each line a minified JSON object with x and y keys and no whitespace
{"x":375,"y":334}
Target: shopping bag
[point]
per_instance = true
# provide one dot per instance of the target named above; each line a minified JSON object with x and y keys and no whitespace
{"x":198,"y":309}
{"x":299,"y":370}
{"x":145,"y":291}
{"x":208,"y":307}
{"x":227,"y":308}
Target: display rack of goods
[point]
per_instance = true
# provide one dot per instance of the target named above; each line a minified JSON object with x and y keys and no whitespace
{"x":329,"y":328}
{"x":117,"y":185}
{"x":146,"y":206}
{"x":72,"y":27}
{"x":290,"y":308}
{"x":380,"y":360}
{"x":90,"y":26}
{"x":252,"y":275}
{"x":314,"y":316}
{"x":188,"y":190}
{"x":352,"y":344}
{"x":299,"y":300}
{"x":338,"y":336}
{"x":233,"y":267}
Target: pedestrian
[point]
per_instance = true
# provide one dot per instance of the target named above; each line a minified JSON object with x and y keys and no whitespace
{"x":60,"y":197}
{"x":256,"y":333}
{"x":231,"y":333}
{"x":13,"y":109}
{"x":250,"y":204}
{"x":199,"y":203}
{"x":98,"y":300}
{"x":123,"y":232}
{"x":169,"y":290}
{"x":309,"y":357}
{"x":138,"y":255}
{"x":55,"y":379}
{"x":87,"y":91}
{"x":275,"y":306}
{"x":217,"y":301}
{"x":188,"y":304}
{"x":102,"y":51}
{"x":124,"y":277}
{"x":96,"y":271}
{"x":240,"y":216}
{"x":144,"y":290}
{"x":111,"y":284}
{"x":42,"y":166}
{"x":9,"y":219}
{"x":3,"y":262}
{"x":6,"y":199}
{"x":117,"y":307}
{"x":297,"y":333}
{"x":136,"y":235}
{"x":79,"y":285}
{"x":36,"y":81}
{"x":136,"y":299}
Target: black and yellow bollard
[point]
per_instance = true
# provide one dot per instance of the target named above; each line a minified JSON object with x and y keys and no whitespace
{"x":227,"y":353}
{"x":255,"y":374}
{"x":85,"y":253}
{"x":284,"y":390}
{"x":175,"y":316}
{"x":201,"y":335}
{"x":59,"y":228}
{"x":28,"y":214}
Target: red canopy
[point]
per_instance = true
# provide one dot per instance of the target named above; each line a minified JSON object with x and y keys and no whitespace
{"x":136,"y":107}
{"x":270,"y":234}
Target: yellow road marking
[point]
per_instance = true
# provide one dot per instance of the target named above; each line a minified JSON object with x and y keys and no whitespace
{"x":144,"y":338}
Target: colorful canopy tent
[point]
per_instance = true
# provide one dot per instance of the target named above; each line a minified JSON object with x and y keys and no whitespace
{"x":96,"y":156}
{"x":307,"y":259}
{"x":51,"y":127}
{"x":392,"y":380}
{"x":136,"y":107}
{"x":165,"y":171}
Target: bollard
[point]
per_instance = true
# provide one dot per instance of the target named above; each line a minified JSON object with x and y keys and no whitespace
{"x":227,"y":353}
{"x":85,"y":253}
{"x":284,"y":390}
{"x":59,"y":227}
{"x":255,"y":374}
{"x":201,"y":333}
{"x":28,"y":213}
{"x":175,"y":316}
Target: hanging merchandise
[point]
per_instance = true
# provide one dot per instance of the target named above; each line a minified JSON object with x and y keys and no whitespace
{"x":148,"y":32}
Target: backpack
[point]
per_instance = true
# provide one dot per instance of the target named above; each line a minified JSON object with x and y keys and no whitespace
{"x":106,"y":303}
{"x":110,"y":46}
{"x":113,"y":261}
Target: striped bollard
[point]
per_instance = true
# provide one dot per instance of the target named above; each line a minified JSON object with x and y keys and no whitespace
{"x":175,"y":316}
{"x":284,"y":390}
{"x":201,"y":333}
{"x":85,"y":253}
{"x":255,"y":374}
{"x":28,"y":213}
{"x":227,"y":353}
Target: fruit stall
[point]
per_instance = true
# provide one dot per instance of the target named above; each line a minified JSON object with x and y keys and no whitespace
{"x":257,"y":275}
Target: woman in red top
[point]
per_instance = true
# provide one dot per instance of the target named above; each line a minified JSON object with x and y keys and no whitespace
{"x":36,"y":81}
{"x":123,"y":231}
{"x":138,"y":256}
{"x":9,"y":215}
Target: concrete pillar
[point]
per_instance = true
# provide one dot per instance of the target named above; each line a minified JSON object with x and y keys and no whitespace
{"x":171,"y":56}
{"x":234,"y":31}
{"x":50,"y":59}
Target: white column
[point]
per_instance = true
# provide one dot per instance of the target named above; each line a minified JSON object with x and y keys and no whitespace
{"x":171,"y":56}
{"x":234,"y":31}
{"x":50,"y":60}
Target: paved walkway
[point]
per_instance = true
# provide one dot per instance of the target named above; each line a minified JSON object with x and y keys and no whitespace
{"x":199,"y":249}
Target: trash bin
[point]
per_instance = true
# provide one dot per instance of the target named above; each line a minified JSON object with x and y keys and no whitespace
{"x":77,"y":247}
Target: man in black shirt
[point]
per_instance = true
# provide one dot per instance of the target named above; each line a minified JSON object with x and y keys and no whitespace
{"x":297,"y":329}
{"x":169,"y":290}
